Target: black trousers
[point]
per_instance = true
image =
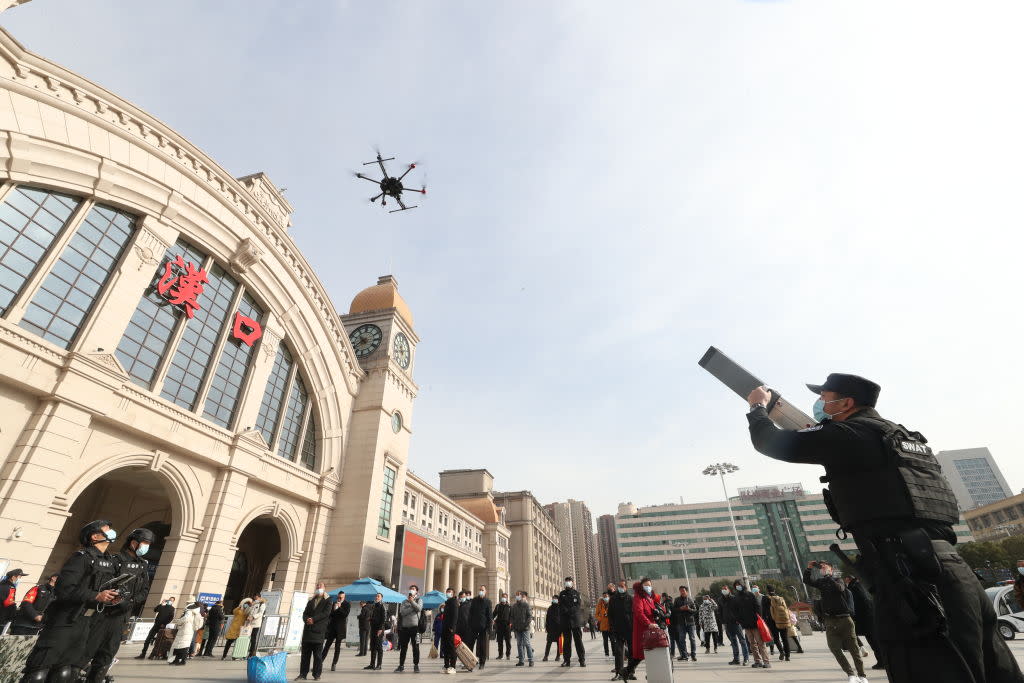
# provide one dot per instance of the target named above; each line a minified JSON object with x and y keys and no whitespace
{"x":332,"y":639}
{"x":779,"y":638}
{"x":407,"y":635}
{"x":973,"y":650}
{"x":376,"y":648}
{"x":621,"y":644}
{"x":60,"y":645}
{"x":364,"y":640}
{"x":312,"y":651}
{"x":254,"y":641}
{"x":211,"y":633}
{"x":573,"y":635}
{"x":448,"y":649}
{"x":606,"y":637}
{"x":103,"y":643}
{"x":552,"y":638}
{"x":504,"y":638}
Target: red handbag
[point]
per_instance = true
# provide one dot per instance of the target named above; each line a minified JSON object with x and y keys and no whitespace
{"x":762,"y":627}
{"x":654,"y":638}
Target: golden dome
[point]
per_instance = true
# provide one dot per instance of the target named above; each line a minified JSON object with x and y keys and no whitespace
{"x":381,"y":296}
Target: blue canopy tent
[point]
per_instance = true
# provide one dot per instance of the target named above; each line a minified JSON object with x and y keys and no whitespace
{"x":366,"y":590}
{"x":433,"y":599}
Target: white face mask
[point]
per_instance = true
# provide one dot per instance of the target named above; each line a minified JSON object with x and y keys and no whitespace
{"x":554,"y":602}
{"x":412,"y":592}
{"x":568,"y":584}
{"x":518,"y":598}
{"x":319,"y":591}
{"x":605,"y":599}
{"x":449,"y":594}
{"x":648,"y":589}
{"x":481,"y":593}
{"x":504,"y":599}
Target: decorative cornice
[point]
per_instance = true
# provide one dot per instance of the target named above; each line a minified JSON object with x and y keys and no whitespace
{"x":246,"y":255}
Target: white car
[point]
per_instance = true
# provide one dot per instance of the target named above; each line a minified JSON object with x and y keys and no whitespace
{"x":1009,"y":614}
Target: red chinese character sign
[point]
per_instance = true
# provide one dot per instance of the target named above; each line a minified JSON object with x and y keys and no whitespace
{"x":246,"y":330}
{"x":181,"y":284}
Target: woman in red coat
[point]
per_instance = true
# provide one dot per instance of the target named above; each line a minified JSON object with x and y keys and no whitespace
{"x":645,"y":601}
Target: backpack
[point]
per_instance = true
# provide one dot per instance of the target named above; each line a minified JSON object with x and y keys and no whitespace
{"x":422,"y":626}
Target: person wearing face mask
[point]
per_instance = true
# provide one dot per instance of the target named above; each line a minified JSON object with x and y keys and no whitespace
{"x":552,"y":627}
{"x":644,"y":608}
{"x":214,"y":622}
{"x":77,"y":600}
{"x":164,"y":615}
{"x":480,"y":610}
{"x":451,"y":623}
{"x":747,"y":608}
{"x":521,"y":622}
{"x":502,"y":617}
{"x":620,"y":616}
{"x":409,"y":611}
{"x":337,"y":627}
{"x":105,"y":635}
{"x":8,"y":589}
{"x":887,"y":490}
{"x":570,"y":605}
{"x":315,"y":619}
{"x":465,"y":627}
{"x":376,"y":620}
{"x":30,"y":615}
{"x":840,"y":632}
{"x":708,"y":623}
{"x":733,"y":630}
{"x":603,"y":623}
{"x":254,"y":618}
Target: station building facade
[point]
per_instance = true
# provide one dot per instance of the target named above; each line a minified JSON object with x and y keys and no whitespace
{"x":169,"y":359}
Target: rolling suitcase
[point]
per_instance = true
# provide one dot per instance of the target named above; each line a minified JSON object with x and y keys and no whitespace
{"x":162,"y":643}
{"x":659,"y":665}
{"x":241,"y":648}
{"x":466,"y":656}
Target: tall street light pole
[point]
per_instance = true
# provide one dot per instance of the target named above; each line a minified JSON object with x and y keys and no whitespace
{"x":721,"y":469}
{"x":682,"y":549}
{"x":796,"y":557}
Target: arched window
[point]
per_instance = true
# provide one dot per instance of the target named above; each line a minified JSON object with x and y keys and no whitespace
{"x":286,"y":418}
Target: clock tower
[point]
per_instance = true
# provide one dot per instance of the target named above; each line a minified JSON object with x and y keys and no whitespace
{"x":380,"y":327}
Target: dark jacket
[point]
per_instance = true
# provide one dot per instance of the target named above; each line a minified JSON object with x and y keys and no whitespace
{"x":553,"y":619}
{"x":215,"y":615}
{"x":451,"y":615}
{"x":338,"y":623}
{"x":33,"y":605}
{"x":319,"y":610}
{"x":766,"y":609}
{"x":376,"y":616}
{"x":480,"y":614}
{"x":729,"y":604}
{"x":620,"y":614}
{"x":502,"y":617}
{"x":78,"y":582}
{"x":8,"y":601}
{"x":520,"y":616}
{"x":683,"y":611}
{"x":164,"y":614}
{"x":569,"y":605}
{"x":833,"y":594}
{"x":746,"y":606}
{"x":863,"y":608}
{"x":464,"y":619}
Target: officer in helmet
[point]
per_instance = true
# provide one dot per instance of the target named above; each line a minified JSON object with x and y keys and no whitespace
{"x":77,"y":602}
{"x":105,"y":636}
{"x":888,"y":491}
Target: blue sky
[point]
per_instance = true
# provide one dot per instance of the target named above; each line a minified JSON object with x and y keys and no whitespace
{"x":811,"y":186}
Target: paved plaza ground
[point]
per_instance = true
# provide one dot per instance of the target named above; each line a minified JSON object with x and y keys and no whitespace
{"x":816,"y":664}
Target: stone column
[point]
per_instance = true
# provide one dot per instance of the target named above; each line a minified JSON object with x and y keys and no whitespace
{"x":446,"y":573}
{"x":459,"y":585}
{"x":471,"y":579}
{"x":172,"y":575}
{"x":428,"y":579}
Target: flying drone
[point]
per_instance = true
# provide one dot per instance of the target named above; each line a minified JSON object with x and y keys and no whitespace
{"x":390,"y":186}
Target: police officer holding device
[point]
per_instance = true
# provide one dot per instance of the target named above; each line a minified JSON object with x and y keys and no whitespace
{"x":108,"y":625}
{"x":888,"y":491}
{"x":78,"y":600}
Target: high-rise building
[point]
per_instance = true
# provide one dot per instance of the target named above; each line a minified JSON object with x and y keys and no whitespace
{"x":974,"y":477}
{"x":534,"y":550}
{"x":579,"y":558}
{"x":780,"y":529}
{"x":609,"y":566}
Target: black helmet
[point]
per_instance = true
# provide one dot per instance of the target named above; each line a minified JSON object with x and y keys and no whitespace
{"x":92,"y":528}
{"x":140,"y":535}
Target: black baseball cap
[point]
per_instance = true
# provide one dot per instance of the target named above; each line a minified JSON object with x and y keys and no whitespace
{"x":15,"y":572}
{"x":863,"y":391}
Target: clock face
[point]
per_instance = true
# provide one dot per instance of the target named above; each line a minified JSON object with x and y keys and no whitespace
{"x":401,"y":351}
{"x":365,"y":340}
{"x":396,"y":422}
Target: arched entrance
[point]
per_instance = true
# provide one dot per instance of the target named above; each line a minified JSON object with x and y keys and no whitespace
{"x":130,"y":497}
{"x":255,"y":562}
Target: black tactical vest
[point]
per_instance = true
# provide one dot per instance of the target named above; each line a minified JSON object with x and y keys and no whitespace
{"x":909,"y":487}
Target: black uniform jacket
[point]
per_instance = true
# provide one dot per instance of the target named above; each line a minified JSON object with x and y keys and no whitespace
{"x":502,"y":617}
{"x":78,"y":583}
{"x":164,"y":614}
{"x":319,"y":610}
{"x":846,"y":446}
{"x":339,"y":618}
{"x":553,"y":620}
{"x":746,"y":606}
{"x":376,"y":616}
{"x":34,"y":604}
{"x":479,"y":614}
{"x":451,"y":615}
{"x":464,"y":618}
{"x":620,"y":614}
{"x":833,"y":593}
{"x":569,"y":603}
